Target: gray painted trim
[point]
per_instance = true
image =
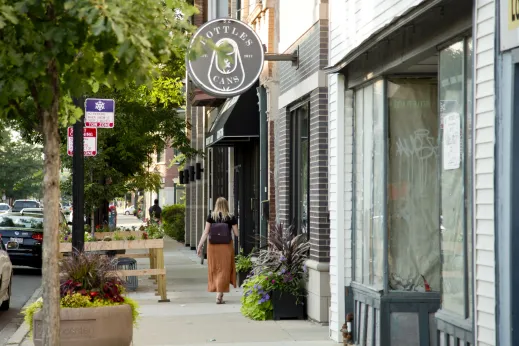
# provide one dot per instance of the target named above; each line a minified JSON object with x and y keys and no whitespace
{"x":353,"y":186}
{"x":382,"y":34}
{"x":502,"y":180}
{"x":420,"y":303}
{"x":451,"y":324}
{"x":385,"y":240}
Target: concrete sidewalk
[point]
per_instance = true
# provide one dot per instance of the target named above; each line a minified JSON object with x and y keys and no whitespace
{"x":193,"y":318}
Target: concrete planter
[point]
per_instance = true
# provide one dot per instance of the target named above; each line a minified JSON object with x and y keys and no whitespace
{"x":103,"y":326}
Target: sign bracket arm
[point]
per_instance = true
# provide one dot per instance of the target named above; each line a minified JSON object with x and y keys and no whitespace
{"x":294,"y":57}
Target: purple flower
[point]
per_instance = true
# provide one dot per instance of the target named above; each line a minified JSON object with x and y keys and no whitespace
{"x":304,"y":268}
{"x":273,"y":281}
{"x":283,"y":271}
{"x":267,"y":297}
{"x":282,"y":258}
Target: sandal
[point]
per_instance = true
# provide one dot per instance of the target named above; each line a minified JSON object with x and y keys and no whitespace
{"x":219,"y":300}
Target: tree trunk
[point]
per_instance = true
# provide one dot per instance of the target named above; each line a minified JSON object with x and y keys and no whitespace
{"x":51,"y":297}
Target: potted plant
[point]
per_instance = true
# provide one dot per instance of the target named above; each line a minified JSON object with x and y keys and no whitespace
{"x":94,"y":310}
{"x":243,"y":266}
{"x":277,"y":284}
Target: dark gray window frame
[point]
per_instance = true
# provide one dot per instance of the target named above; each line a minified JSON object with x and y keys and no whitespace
{"x":294,"y":113}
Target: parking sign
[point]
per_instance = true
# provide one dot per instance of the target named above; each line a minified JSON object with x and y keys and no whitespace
{"x":99,"y":113}
{"x":89,"y":139}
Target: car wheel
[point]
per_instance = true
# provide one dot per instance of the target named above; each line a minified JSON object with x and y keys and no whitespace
{"x":7,"y":302}
{"x":126,"y":213}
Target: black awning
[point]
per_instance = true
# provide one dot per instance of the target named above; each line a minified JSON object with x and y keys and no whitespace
{"x":237,"y":121}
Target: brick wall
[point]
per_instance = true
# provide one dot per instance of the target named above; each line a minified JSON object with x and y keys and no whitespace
{"x":319,"y":222}
{"x":313,"y":50}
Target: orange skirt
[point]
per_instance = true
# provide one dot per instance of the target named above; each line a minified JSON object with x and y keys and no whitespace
{"x":221,"y":269}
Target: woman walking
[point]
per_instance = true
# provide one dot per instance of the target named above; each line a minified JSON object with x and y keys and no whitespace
{"x":221,"y":269}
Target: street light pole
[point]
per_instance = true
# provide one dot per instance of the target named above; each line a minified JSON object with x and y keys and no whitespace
{"x":78,"y":176}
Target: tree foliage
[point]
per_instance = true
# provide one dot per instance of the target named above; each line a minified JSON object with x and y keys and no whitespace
{"x":52,"y":51}
{"x":21,"y":168}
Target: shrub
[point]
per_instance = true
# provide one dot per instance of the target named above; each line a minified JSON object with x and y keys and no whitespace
{"x":173,"y":217}
{"x":244,"y":263}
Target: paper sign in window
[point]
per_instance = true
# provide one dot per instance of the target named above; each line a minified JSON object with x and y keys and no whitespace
{"x":451,"y":141}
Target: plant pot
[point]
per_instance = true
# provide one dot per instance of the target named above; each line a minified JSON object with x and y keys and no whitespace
{"x":241,"y":278}
{"x":102,"y":326}
{"x":286,"y":307}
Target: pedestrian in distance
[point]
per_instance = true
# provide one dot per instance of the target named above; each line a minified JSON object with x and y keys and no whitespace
{"x":155,"y":212}
{"x":221,"y":269}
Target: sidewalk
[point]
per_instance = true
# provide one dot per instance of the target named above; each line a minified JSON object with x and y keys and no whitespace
{"x":193,"y":318}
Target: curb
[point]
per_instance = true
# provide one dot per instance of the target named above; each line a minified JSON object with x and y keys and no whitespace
{"x":22,"y":331}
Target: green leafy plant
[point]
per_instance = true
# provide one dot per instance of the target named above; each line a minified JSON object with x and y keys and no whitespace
{"x":173,"y":217}
{"x":244,"y":263}
{"x":130,"y":237}
{"x":256,"y":300}
{"x":118,"y":236}
{"x":154,"y":231}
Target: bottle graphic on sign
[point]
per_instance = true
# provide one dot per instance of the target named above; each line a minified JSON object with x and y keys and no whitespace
{"x":226,"y":72}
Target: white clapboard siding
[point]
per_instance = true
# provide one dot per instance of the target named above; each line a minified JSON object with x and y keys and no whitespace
{"x":353,"y":21}
{"x":340,"y":127}
{"x":336,"y":249}
{"x":484,"y":119}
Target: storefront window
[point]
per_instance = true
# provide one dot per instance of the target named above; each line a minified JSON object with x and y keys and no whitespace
{"x":413,"y":191}
{"x":369,"y":184}
{"x":300,"y":169}
{"x":456,"y":176}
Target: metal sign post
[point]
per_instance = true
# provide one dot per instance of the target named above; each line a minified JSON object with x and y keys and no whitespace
{"x":78,"y":186}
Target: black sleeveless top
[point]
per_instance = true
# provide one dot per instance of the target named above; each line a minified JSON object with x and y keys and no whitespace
{"x":230,"y":220}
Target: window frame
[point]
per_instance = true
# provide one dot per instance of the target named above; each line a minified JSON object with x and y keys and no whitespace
{"x":295,"y":114}
{"x":468,"y":178}
{"x":467,"y":167}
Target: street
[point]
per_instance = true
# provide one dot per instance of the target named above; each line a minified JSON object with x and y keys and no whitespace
{"x":25,"y":282}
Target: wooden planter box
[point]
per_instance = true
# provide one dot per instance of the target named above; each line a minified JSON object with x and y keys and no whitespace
{"x":102,"y":326}
{"x":116,"y":245}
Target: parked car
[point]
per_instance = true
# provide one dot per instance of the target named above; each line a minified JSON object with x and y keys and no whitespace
{"x":4,"y":208}
{"x":129,"y":211}
{"x":6,"y":271}
{"x":66,"y":207}
{"x":25,"y":203}
{"x":23,"y":236}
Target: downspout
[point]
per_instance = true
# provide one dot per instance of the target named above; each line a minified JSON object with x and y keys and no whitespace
{"x":263,"y":131}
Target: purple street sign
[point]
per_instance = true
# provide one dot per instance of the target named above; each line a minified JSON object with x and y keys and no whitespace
{"x":99,"y":113}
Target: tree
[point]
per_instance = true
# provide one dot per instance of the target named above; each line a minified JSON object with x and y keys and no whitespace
{"x":52,"y":51}
{"x":21,"y":168}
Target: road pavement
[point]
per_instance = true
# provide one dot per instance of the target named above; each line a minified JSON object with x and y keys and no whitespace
{"x":25,"y":282}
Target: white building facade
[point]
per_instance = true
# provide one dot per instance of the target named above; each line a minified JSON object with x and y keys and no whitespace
{"x":413,"y":160}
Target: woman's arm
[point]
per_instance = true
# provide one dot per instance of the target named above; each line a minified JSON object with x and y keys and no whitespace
{"x":235,"y":230}
{"x":203,"y":239}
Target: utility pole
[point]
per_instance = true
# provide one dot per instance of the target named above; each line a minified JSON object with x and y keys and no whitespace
{"x":78,"y":184}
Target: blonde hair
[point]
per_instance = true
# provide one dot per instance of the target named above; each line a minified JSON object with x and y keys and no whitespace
{"x":221,"y":209}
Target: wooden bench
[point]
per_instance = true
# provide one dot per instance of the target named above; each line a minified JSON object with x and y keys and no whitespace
{"x":155,"y":253}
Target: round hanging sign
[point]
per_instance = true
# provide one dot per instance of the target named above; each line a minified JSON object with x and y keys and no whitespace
{"x":231,"y":59}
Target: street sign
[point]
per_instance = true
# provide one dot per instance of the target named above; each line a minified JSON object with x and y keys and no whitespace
{"x":236,"y":71}
{"x":89,"y":138}
{"x":99,"y":113}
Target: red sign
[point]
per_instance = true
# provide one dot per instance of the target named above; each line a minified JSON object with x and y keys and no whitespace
{"x":89,"y":139}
